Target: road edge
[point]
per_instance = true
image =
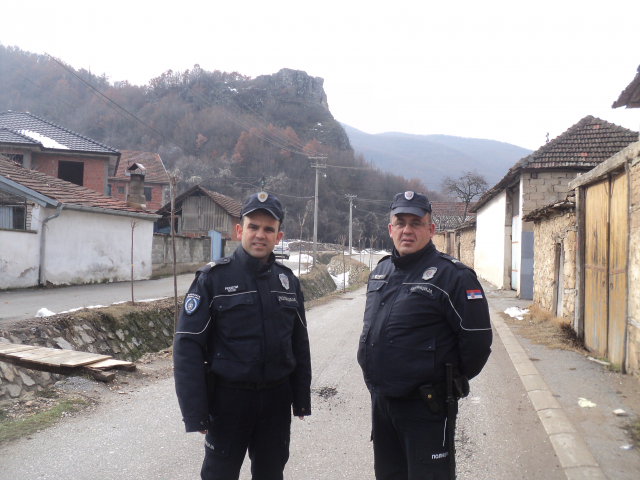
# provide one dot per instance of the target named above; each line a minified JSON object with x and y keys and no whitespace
{"x":573,"y":453}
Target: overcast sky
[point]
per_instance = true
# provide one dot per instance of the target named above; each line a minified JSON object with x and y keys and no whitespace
{"x":504,"y":70}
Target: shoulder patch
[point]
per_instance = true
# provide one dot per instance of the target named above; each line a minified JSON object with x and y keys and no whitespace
{"x":221,"y":261}
{"x":453,"y":260}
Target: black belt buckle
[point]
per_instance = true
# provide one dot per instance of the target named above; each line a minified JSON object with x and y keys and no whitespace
{"x":428,"y":394}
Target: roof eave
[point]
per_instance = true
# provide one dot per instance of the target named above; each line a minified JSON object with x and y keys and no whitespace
{"x":17,"y":189}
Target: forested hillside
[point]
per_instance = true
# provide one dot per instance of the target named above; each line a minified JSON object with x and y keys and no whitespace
{"x":224,"y":131}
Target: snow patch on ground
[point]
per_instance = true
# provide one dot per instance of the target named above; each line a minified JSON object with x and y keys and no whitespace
{"x":515,"y":312}
{"x":337,"y":279}
{"x":44,"y":312}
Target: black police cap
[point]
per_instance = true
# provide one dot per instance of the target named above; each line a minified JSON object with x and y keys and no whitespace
{"x":411,"y":202}
{"x":263,"y":201}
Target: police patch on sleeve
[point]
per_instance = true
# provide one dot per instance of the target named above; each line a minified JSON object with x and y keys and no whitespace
{"x":191,"y":303}
{"x":284,"y":280}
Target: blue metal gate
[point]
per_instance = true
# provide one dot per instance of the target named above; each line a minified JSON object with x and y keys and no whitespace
{"x":216,"y":245}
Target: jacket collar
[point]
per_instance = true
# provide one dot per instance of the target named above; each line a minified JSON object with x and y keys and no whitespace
{"x":412,"y":258}
{"x":251,"y":264}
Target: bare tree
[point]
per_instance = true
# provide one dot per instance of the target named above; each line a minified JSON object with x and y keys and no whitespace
{"x":372,"y":240}
{"x":134,"y":224}
{"x":465,"y":188}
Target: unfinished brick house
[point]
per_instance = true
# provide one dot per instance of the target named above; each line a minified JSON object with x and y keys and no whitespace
{"x":41,"y":145}
{"x":504,"y":244}
{"x":447,"y":216}
{"x":156,"y":181}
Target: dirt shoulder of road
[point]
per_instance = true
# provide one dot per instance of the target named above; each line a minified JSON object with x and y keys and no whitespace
{"x":77,"y":395}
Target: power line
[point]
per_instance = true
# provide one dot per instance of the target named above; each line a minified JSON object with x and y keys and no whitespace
{"x":46,"y":91}
{"x":107,"y":98}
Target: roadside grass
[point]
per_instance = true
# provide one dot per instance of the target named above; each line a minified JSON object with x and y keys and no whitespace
{"x":634,"y":432}
{"x":13,"y":429}
{"x":543,"y":328}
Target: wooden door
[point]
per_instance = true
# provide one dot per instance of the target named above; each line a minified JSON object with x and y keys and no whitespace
{"x":596,"y":259}
{"x":617,"y":269}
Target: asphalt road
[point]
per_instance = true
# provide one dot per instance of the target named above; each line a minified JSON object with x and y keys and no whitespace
{"x":140,"y":434}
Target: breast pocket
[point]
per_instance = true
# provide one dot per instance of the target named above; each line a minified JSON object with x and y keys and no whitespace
{"x":374,"y":286}
{"x":227,"y":302}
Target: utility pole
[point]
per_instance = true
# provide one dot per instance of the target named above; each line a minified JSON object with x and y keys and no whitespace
{"x":350,"y":197}
{"x":317,"y":166}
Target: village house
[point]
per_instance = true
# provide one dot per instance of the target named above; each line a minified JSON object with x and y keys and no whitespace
{"x":41,"y":145}
{"x":465,"y":242}
{"x":205,"y":225}
{"x":554,"y":257}
{"x":56,"y":232}
{"x":156,"y":181}
{"x":504,"y":250}
{"x":447,"y":216}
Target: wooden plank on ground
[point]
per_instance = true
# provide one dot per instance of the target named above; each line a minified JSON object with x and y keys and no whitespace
{"x":113,"y":363}
{"x":13,"y":347}
{"x":99,"y":374}
{"x":37,"y":353}
{"x":80,"y":359}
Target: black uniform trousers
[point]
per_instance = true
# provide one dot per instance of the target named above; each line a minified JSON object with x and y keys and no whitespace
{"x":409,"y":442}
{"x":257,"y":420}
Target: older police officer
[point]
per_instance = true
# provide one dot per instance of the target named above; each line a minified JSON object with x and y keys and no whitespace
{"x":241,"y":352}
{"x":425,"y":310}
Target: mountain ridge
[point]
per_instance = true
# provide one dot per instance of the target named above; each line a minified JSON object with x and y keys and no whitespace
{"x":430,"y":157}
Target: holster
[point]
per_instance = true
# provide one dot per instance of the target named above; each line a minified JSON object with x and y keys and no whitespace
{"x":210,"y":380}
{"x":430,"y":396}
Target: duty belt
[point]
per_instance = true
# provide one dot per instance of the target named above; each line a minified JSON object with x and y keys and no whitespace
{"x":251,"y":385}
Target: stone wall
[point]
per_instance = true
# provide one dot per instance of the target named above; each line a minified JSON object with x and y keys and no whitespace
{"x":539,"y":189}
{"x":191,"y":253}
{"x":558,"y":228}
{"x":466,"y":245}
{"x":633,"y":345}
{"x":438,"y":241}
{"x":122,"y":331}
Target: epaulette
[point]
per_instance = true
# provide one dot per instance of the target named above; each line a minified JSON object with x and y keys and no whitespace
{"x":221,"y":261}
{"x":386,"y":257}
{"x":280,"y":264}
{"x":455,"y":261}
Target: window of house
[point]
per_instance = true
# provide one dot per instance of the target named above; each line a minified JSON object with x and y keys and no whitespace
{"x":147,"y":193}
{"x":71,"y":172}
{"x":16,"y":157}
{"x":109,"y":189}
{"x":13,"y":211}
{"x":120,"y":189}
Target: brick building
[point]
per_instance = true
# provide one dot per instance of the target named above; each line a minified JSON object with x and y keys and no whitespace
{"x":504,"y":244}
{"x":41,"y":145}
{"x":156,"y":181}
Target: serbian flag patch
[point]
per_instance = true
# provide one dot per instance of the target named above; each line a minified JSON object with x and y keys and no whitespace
{"x":474,"y":294}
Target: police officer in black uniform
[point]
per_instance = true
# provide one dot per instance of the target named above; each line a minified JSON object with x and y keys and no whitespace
{"x":425,"y":310}
{"x":241,"y":352}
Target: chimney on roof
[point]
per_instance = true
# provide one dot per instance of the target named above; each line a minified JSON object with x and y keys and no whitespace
{"x":136,"y":198}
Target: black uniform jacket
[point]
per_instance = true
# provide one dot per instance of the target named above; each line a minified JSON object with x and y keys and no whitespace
{"x":248,"y":325}
{"x":423,"y":310}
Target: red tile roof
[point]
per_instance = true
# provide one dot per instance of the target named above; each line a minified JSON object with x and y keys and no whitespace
{"x":156,"y":173}
{"x":449,"y":208}
{"x":231,"y":206}
{"x":582,"y":147}
{"x":60,"y":190}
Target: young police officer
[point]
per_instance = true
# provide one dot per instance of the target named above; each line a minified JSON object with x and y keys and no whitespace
{"x":425,"y":310}
{"x":241,"y":352}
